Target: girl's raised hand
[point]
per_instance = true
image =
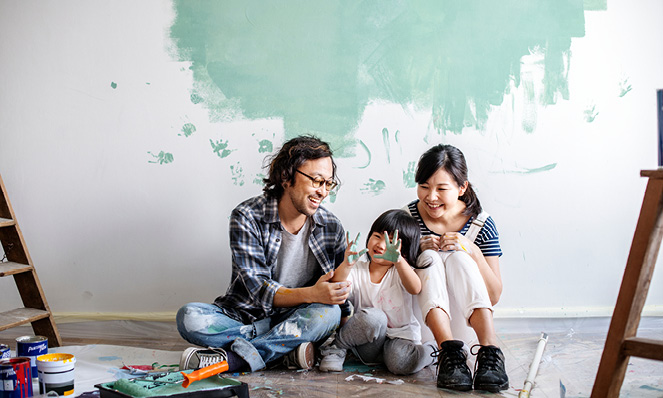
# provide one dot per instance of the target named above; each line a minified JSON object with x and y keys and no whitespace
{"x":351,"y":253}
{"x":392,"y":249}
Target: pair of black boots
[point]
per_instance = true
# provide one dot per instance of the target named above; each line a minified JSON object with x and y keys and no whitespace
{"x":453,"y":373}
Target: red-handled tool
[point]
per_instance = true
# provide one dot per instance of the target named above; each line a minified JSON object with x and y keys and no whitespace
{"x":204,"y":373}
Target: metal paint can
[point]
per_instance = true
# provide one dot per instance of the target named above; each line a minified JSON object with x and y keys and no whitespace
{"x":15,"y":378}
{"x":31,"y":347}
{"x":5,"y":352}
{"x":56,"y":373}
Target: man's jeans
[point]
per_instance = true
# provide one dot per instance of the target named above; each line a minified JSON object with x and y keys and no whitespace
{"x":263,"y":341}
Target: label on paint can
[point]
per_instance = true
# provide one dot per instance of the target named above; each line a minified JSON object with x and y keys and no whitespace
{"x":5,"y":352}
{"x":15,"y":378}
{"x":31,"y":347}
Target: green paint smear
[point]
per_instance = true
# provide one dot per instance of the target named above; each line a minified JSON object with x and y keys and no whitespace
{"x":113,"y":85}
{"x":220,"y":147}
{"x":188,"y":129}
{"x":161,"y":158}
{"x":265,"y":146}
{"x":408,"y":175}
{"x":317,"y":64}
{"x":547,"y":167}
{"x":373,"y":187}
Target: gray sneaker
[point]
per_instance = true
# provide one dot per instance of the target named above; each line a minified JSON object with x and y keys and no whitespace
{"x":301,"y":357}
{"x":332,"y":359}
{"x":198,"y":357}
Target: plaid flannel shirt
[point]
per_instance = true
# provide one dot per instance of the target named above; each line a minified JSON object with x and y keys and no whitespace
{"x":255,"y":239}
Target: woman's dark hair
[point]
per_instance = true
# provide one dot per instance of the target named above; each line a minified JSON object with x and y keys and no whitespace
{"x":283,"y":164}
{"x":452,"y":160}
{"x":408,"y":232}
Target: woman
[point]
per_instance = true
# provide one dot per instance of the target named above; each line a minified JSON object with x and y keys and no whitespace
{"x":460,"y":247}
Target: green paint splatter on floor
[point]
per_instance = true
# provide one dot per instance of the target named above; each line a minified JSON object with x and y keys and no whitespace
{"x":161,"y":158}
{"x":317,"y":65}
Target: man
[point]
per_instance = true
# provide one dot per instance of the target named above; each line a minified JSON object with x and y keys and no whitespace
{"x":284,"y":246}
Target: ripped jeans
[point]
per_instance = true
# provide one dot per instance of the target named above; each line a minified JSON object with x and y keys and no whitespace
{"x":262,"y":341}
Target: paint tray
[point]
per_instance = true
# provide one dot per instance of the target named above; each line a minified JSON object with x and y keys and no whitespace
{"x":169,"y":384}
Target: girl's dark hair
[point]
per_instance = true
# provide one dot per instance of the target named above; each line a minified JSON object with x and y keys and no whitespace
{"x":452,"y":160}
{"x":408,"y":232}
{"x":283,"y":164}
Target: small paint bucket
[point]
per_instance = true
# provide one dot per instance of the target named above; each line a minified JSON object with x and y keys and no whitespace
{"x":31,"y":347}
{"x":15,"y":378}
{"x":56,"y":373}
{"x":5,"y":352}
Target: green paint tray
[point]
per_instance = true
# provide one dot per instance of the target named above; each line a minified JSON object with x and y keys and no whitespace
{"x":169,"y":384}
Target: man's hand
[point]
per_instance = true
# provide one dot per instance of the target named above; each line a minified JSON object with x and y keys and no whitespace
{"x":327,"y":292}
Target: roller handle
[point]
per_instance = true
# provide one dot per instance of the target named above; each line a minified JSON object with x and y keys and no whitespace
{"x":204,"y":373}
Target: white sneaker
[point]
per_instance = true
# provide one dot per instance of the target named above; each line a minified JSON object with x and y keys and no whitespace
{"x":198,"y":357}
{"x":332,"y":359}
{"x":301,"y":357}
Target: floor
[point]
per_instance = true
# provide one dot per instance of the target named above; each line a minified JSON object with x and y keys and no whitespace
{"x":567,"y":369}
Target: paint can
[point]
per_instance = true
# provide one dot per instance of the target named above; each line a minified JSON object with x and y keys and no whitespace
{"x":56,"y":373}
{"x":31,"y":347}
{"x":15,"y":378}
{"x":5,"y":352}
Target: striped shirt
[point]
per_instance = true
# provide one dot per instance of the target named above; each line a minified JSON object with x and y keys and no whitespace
{"x":255,"y":239}
{"x":488,"y":238}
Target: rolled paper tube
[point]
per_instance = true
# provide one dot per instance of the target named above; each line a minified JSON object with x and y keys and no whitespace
{"x":204,"y":373}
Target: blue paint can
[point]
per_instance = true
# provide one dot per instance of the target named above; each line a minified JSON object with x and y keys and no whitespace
{"x":31,"y":347}
{"x":15,"y":378}
{"x":5,"y":352}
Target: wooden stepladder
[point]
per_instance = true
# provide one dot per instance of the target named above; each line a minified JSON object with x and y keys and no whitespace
{"x":622,"y":342}
{"x":17,"y":263}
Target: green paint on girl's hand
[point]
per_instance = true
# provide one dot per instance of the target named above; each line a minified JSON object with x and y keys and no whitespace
{"x":393,"y":248}
{"x":352,"y":258}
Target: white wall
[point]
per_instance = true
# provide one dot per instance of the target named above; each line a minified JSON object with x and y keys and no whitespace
{"x":111,"y":233}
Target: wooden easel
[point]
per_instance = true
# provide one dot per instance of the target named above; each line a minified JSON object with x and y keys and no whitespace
{"x":621,"y":342}
{"x":19,"y":265}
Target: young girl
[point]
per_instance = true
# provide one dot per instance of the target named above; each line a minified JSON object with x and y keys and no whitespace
{"x":460,"y":245}
{"x":383,"y":327}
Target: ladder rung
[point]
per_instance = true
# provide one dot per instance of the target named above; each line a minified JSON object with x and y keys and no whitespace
{"x":643,"y":348}
{"x":20,"y":316}
{"x":7,"y":222}
{"x":11,"y":268}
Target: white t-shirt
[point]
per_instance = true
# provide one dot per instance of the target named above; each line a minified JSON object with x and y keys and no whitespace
{"x":389,"y":296}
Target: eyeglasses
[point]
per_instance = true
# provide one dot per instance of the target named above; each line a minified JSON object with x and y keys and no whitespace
{"x":317,"y":181}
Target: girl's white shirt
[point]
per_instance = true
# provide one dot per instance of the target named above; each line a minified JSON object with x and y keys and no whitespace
{"x":389,"y":296}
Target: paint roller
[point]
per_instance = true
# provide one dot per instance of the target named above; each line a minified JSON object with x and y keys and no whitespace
{"x":204,"y":373}
{"x":529,"y":381}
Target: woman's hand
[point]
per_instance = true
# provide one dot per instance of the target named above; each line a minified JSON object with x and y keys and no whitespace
{"x":431,"y":242}
{"x":455,"y":241}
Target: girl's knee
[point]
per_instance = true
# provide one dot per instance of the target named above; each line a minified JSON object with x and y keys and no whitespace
{"x":402,"y":358}
{"x":372,"y":317}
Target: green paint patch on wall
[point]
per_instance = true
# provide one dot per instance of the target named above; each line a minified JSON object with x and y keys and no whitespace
{"x":161,"y":158}
{"x":317,"y":64}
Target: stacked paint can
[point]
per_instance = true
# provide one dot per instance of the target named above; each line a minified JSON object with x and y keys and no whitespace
{"x":31,"y":347}
{"x":56,"y":373}
{"x":15,"y":378}
{"x":5,"y":351}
